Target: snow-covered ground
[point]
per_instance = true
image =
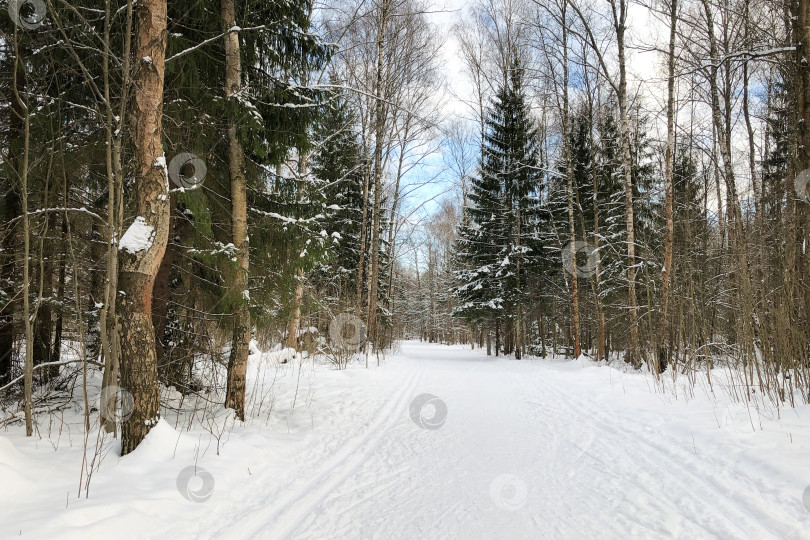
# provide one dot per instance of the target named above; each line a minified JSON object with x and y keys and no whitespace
{"x":498,"y":448}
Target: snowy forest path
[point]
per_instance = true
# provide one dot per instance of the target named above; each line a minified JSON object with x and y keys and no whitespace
{"x":527,"y":449}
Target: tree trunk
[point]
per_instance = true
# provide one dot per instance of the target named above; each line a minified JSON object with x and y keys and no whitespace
{"x":108,"y":316}
{"x":392,"y":226}
{"x":541,"y":329}
{"x":20,"y":111}
{"x":802,"y":74}
{"x":620,"y":20}
{"x":497,"y":337}
{"x":99,"y":250}
{"x":379,"y":121}
{"x":240,"y":346}
{"x":139,"y":268}
{"x":43,"y":319}
{"x":569,"y":169}
{"x":361,"y":259}
{"x":20,"y":131}
{"x":294,"y":325}
{"x":802,"y":37}
{"x":56,"y":356}
{"x":669,"y":240}
{"x":489,"y":342}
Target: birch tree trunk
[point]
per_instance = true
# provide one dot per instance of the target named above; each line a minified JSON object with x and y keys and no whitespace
{"x":293,"y":327}
{"x":620,"y":22}
{"x":240,"y":346}
{"x":669,"y":240}
{"x":752,"y":164}
{"x":392,"y":228}
{"x":361,"y":260}
{"x":379,"y":128}
{"x":139,"y":268}
{"x":597,"y":270}
{"x":569,"y":170}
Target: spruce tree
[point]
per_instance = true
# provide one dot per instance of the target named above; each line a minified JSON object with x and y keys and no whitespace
{"x":499,"y":239}
{"x":338,"y":164}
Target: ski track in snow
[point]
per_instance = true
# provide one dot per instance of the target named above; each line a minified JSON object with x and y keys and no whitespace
{"x":289,"y":511}
{"x":598,"y":453}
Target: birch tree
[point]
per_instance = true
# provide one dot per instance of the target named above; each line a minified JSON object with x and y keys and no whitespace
{"x":240,"y":346}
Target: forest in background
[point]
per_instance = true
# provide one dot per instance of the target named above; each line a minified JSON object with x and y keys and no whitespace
{"x":182,"y":178}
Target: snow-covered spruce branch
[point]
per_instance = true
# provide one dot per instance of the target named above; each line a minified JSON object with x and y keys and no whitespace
{"x":286,"y":219}
{"x":227,"y":249}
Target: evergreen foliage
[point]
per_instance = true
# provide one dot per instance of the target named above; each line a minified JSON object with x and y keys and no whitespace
{"x":500,"y":238}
